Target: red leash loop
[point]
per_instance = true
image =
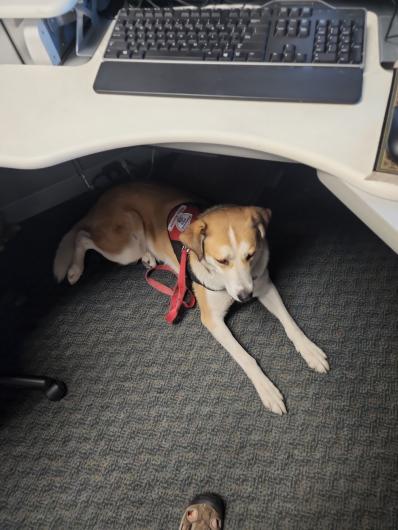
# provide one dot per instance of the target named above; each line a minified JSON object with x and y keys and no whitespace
{"x":180,"y":295}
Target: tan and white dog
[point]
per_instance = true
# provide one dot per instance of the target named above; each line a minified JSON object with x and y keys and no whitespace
{"x":229,"y":257}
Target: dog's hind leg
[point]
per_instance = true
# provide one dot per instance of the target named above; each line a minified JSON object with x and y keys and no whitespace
{"x":130,"y":253}
{"x":119,"y":238}
{"x":148,"y":260}
{"x":83,"y":242}
{"x":213,"y":307}
{"x":268,"y":295}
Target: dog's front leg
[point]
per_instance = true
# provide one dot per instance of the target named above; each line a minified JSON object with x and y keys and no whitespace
{"x":268,"y":295}
{"x":213,"y":308}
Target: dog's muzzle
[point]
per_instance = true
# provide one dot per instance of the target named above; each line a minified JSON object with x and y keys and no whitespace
{"x":244,"y":296}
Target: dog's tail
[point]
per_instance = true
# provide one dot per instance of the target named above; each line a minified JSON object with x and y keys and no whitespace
{"x":64,"y":255}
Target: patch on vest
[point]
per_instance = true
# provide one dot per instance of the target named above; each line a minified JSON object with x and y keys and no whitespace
{"x":180,"y":219}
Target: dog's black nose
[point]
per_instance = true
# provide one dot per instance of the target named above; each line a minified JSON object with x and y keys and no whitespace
{"x":244,"y":296}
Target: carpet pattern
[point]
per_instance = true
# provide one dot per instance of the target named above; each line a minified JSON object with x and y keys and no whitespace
{"x":156,"y":414}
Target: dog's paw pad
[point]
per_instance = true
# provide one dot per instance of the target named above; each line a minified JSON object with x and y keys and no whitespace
{"x":74,"y":274}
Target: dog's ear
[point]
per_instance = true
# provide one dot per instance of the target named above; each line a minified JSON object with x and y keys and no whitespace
{"x":194,"y":236}
{"x":260,"y":219}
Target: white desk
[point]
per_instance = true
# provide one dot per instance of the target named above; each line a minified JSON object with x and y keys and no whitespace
{"x":51,"y":114}
{"x":35,"y":8}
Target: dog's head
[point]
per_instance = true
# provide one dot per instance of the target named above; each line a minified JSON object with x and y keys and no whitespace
{"x":230,"y":241}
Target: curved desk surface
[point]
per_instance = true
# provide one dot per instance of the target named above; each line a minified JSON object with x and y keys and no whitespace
{"x":51,"y":114}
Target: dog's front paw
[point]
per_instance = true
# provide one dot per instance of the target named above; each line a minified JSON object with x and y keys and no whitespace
{"x":148,"y":260}
{"x":313,"y":356}
{"x":270,"y":396}
{"x":74,"y":274}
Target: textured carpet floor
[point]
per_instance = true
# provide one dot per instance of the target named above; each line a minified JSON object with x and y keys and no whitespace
{"x":156,"y":414}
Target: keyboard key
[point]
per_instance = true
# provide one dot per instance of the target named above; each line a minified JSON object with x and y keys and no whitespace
{"x":295,"y":12}
{"x":240,"y":56}
{"x":245,"y":14}
{"x":357,"y":36}
{"x":137,"y":54}
{"x":211,"y":56}
{"x":255,"y":56}
{"x":275,"y":57}
{"x":226,"y":56}
{"x":343,"y":58}
{"x":289,"y":48}
{"x":356,"y":54}
{"x":111,"y":53}
{"x":287,"y":57}
{"x":325,"y":57}
{"x":303,"y":32}
{"x":301,"y":57}
{"x":118,"y":44}
{"x":306,"y":12}
{"x":175,"y":56}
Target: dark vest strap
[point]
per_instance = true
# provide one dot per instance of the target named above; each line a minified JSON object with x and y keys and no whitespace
{"x":178,"y":246}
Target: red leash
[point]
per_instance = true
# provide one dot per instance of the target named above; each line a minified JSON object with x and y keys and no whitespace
{"x":180,"y":295}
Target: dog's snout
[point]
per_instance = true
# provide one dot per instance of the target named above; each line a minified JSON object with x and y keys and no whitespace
{"x":244,"y":296}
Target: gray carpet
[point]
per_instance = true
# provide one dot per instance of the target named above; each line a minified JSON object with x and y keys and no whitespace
{"x":156,"y":414}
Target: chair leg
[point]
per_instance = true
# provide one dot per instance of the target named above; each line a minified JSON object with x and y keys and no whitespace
{"x":52,"y":388}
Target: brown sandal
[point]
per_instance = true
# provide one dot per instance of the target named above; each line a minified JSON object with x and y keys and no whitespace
{"x":205,"y":512}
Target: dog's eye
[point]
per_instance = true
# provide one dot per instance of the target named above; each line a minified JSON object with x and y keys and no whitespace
{"x":223,"y":261}
{"x":249,"y":256}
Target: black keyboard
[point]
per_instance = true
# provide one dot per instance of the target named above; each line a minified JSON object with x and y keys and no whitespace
{"x":243,"y":53}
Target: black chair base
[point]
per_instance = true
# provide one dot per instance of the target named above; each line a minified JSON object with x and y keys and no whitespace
{"x":52,"y":388}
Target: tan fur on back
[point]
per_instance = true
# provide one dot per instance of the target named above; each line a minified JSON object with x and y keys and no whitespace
{"x":125,"y":209}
